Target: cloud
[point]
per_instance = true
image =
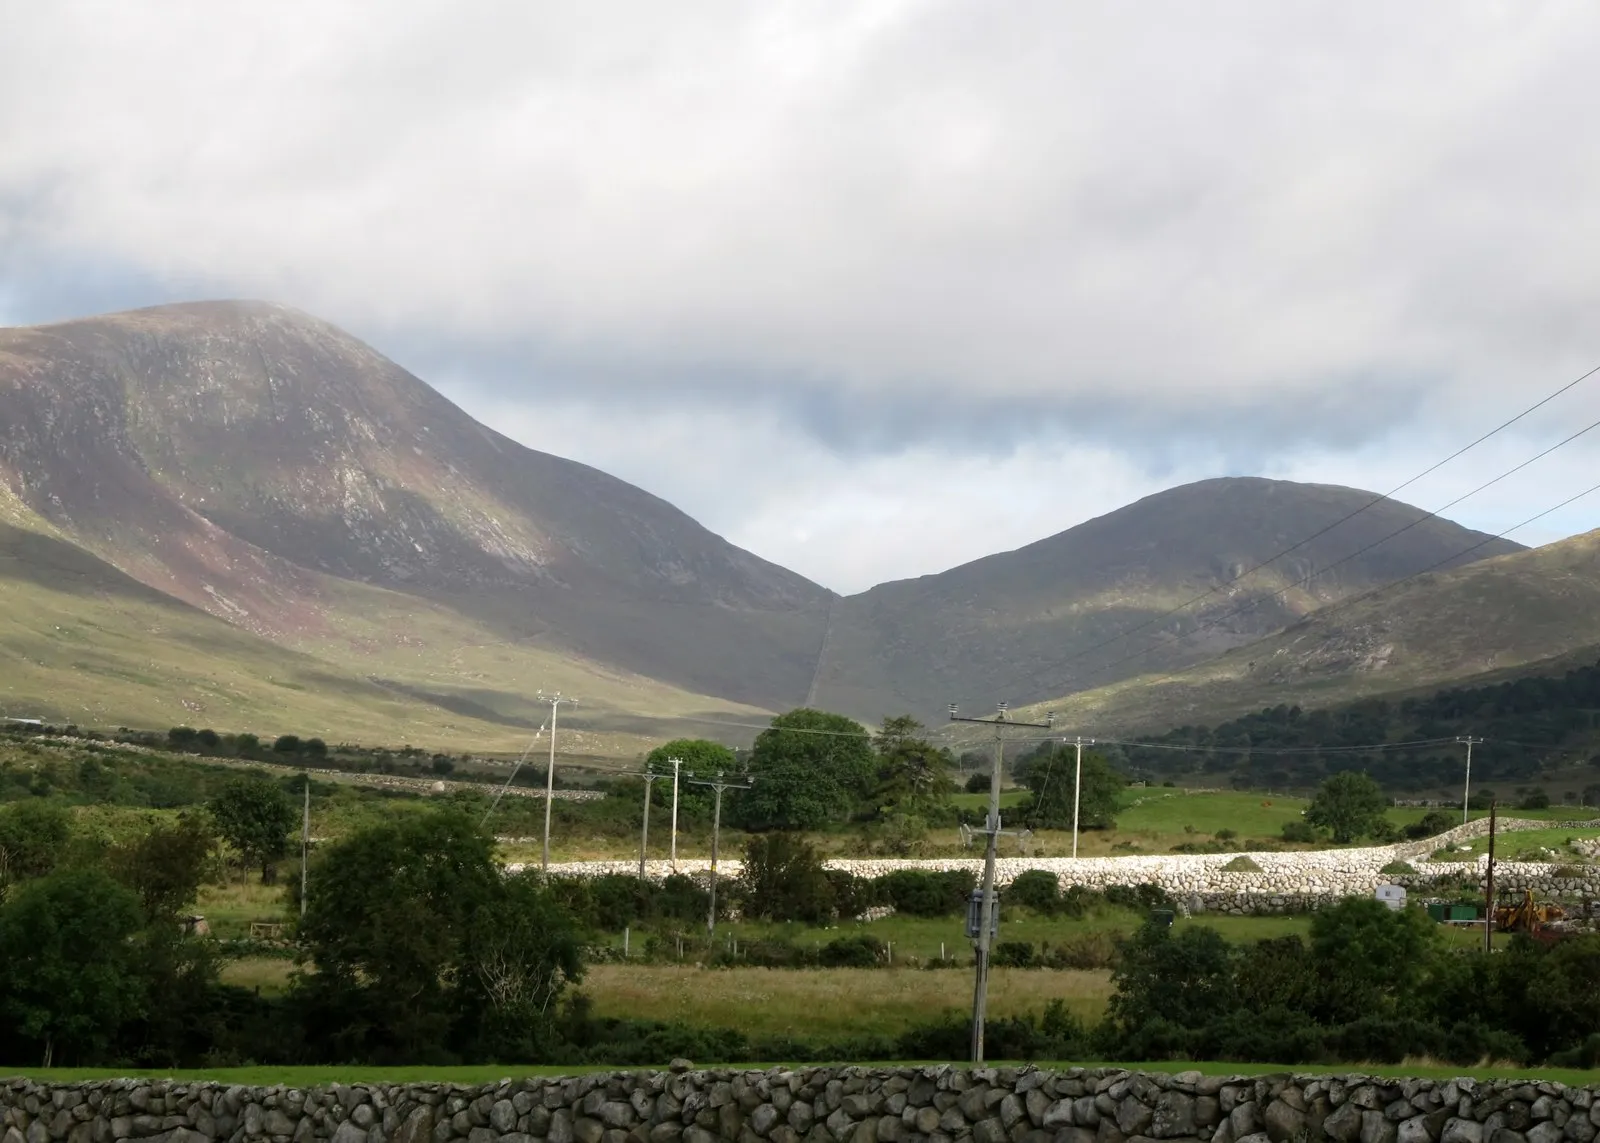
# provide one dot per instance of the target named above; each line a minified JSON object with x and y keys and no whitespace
{"x":1023,"y":261}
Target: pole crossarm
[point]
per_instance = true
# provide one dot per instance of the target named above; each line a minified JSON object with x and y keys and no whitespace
{"x":980,"y":992}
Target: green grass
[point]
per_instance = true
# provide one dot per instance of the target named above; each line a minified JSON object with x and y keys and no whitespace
{"x":1512,"y":845}
{"x":296,"y":1077}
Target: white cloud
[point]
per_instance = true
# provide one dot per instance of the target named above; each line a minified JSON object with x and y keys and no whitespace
{"x":1338,"y":239}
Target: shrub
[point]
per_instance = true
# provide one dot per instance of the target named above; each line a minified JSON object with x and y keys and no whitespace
{"x":927,"y":894}
{"x":978,"y":784}
{"x":1226,"y":834}
{"x":1079,"y":900}
{"x":287,"y":744}
{"x":1567,"y":872}
{"x":1398,"y":868}
{"x":1433,"y":823}
{"x":1037,"y":889}
{"x":1534,"y":800}
{"x":1241,"y":864}
{"x":1299,"y":831}
{"x":1088,"y":950}
{"x":1014,"y":954}
{"x":856,"y":951}
{"x":1138,"y":896}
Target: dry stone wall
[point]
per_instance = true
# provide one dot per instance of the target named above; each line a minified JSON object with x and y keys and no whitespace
{"x":1287,"y":882}
{"x":943,"y":1104}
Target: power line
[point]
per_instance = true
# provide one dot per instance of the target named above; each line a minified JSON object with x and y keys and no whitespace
{"x":1219,"y":588}
{"x":1253,"y":604}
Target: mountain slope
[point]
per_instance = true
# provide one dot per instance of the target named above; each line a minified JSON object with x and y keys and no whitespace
{"x":1531,"y":610}
{"x":255,"y":462}
{"x":81,"y":642}
{"x":1028,"y":624}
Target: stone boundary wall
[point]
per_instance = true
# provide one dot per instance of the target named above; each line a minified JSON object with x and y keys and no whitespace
{"x":945,"y":1104}
{"x":1288,"y":882}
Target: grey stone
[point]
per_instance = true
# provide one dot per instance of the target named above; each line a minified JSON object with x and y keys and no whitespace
{"x":1413,"y":1130}
{"x":698,"y":1135}
{"x":666,"y":1132}
{"x":1546,"y":1132}
{"x":586,"y":1130}
{"x":481,"y":1135}
{"x":347,"y":1132}
{"x":1578,"y":1129}
{"x":1037,"y":1103}
{"x":277,"y":1123}
{"x":887,"y":1129}
{"x":800,"y":1117}
{"x":1085,"y":1113}
{"x":782,"y":1133}
{"x":763,"y":1119}
{"x":1173,"y":1116}
{"x":856,"y":1105}
{"x":1012,"y":1111}
{"x":1244,"y":1120}
{"x":502,"y":1116}
{"x":1206,"y":1111}
{"x":615,"y":1113}
{"x":1256,"y":1137}
{"x":415,"y":1128}
{"x":561,"y":1127}
{"x":1377,"y":1127}
{"x":1344,"y":1124}
{"x":840,"y":1125}
{"x":1283,"y":1122}
{"x":1133,"y":1117}
{"x":1506,"y":1135}
{"x":1542,"y":1108}
{"x":1457,"y":1130}
{"x":926,"y":1120}
{"x":989,"y":1131}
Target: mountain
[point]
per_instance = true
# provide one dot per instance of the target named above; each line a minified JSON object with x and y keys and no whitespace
{"x":1534,"y":611}
{"x":265,"y":467}
{"x":1048,"y":619}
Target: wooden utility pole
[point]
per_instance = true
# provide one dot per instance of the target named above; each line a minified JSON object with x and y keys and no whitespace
{"x":986,"y":912}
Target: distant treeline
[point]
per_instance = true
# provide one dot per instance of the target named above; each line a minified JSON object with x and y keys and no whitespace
{"x":1526,"y":724}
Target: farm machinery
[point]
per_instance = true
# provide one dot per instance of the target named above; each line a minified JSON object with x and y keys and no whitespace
{"x":1528,"y":916}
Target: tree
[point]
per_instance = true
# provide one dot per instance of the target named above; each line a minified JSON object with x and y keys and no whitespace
{"x":1051,"y":782}
{"x":521,"y":950}
{"x":1369,"y":959}
{"x":700,"y":758}
{"x":387,"y":913}
{"x":67,"y":973}
{"x":255,"y":816}
{"x":913,"y":774}
{"x":287,"y":744}
{"x":1184,"y":977}
{"x":1348,"y":805}
{"x":33,"y":836}
{"x":810,"y":769}
{"x":785,"y":880}
{"x":166,"y":865}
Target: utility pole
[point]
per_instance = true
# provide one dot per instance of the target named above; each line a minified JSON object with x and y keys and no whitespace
{"x":719,"y":785}
{"x":1077,"y":791}
{"x":644,"y":833}
{"x":305,"y":840}
{"x":677,"y":764}
{"x":986,"y":912}
{"x":555,"y":702}
{"x":1466,"y":788}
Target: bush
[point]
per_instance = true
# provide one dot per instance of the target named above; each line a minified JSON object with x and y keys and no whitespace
{"x":1299,"y":832}
{"x":1037,"y":889}
{"x":926,"y":894}
{"x":1398,"y":868}
{"x":1142,"y":897}
{"x":1433,"y":823}
{"x":857,"y":951}
{"x":1090,"y":950}
{"x":978,"y":784}
{"x":1014,"y":954}
{"x":1079,"y":901}
{"x":1241,"y":864}
{"x":1226,"y":834}
{"x":1534,"y":800}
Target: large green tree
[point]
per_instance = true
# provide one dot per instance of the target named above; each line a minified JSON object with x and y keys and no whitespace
{"x":33,"y":839}
{"x":913,"y":774}
{"x":1348,"y":805}
{"x":255,"y":816}
{"x":68,"y":971}
{"x":1051,"y":780}
{"x":413,"y":928}
{"x":701,"y":759}
{"x":784,"y":880}
{"x":810,"y":769}
{"x":166,"y":865}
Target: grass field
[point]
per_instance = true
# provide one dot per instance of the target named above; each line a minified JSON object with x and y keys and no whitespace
{"x":493,"y":1073}
{"x":1525,"y":844}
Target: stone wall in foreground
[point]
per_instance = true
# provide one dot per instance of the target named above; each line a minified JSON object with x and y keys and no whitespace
{"x":942,"y":1104}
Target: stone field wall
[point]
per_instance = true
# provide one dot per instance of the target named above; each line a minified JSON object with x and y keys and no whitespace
{"x":1287,"y":882}
{"x":943,"y":1104}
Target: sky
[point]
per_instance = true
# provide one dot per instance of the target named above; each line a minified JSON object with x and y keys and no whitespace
{"x":869,"y":287}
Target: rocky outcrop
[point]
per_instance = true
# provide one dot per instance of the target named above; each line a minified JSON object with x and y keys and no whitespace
{"x":942,"y":1104}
